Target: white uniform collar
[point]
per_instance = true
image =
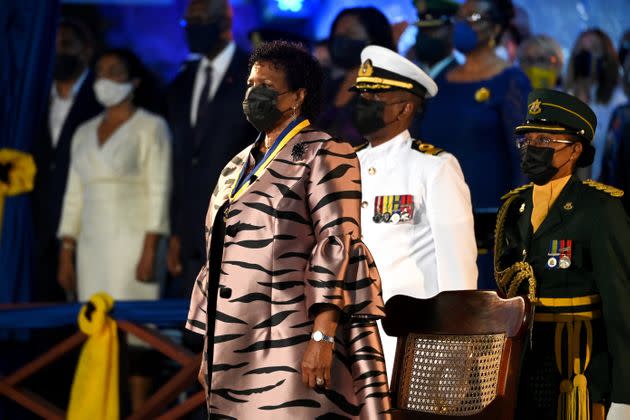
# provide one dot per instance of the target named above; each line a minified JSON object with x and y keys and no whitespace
{"x":399,"y":140}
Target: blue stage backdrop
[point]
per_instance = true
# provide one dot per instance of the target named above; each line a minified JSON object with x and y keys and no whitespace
{"x":26,"y":48}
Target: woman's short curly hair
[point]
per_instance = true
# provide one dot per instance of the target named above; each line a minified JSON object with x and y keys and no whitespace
{"x":301,"y":70}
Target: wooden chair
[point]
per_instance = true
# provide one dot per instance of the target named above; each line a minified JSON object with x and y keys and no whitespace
{"x":458,"y":354}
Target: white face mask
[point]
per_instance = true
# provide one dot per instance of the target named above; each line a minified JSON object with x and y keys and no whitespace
{"x":110,"y":93}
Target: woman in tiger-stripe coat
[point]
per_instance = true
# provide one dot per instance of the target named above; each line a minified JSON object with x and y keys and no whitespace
{"x":290,"y":295}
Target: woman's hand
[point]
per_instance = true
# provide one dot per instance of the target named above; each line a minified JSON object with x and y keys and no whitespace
{"x":66,"y":274}
{"x":318,"y":357}
{"x":144,"y":268}
{"x":173,"y":257}
{"x":316,"y":363}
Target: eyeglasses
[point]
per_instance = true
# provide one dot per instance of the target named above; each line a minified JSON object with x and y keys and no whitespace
{"x":472,"y":18}
{"x":522,"y":142}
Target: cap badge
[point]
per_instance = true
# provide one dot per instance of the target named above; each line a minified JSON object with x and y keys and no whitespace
{"x":534,"y":107}
{"x":366,"y":69}
{"x":482,"y":95}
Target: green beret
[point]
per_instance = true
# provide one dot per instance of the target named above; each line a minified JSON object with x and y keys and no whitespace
{"x":552,"y":111}
{"x":432,"y":13}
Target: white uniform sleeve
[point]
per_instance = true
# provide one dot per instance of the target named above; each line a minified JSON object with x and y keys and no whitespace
{"x":618,"y":411}
{"x":449,"y":211}
{"x":70,"y":224}
{"x":158,"y":169}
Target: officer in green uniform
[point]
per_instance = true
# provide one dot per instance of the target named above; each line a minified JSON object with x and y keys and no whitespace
{"x":566,"y":243}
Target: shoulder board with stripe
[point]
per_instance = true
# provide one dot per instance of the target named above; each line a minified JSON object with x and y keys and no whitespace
{"x":426,"y":148}
{"x":608,"y":189}
{"x":361,"y":146}
{"x":517,"y":191}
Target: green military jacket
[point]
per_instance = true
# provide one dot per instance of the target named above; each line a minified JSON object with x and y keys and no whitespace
{"x":592,"y":217}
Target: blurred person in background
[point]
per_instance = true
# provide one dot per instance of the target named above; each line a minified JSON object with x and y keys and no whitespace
{"x":116,"y":203}
{"x":515,"y":33}
{"x":542,"y":60}
{"x":351,"y":31}
{"x":616,"y":161}
{"x":593,"y":76}
{"x":205,"y":116}
{"x":71,"y":103}
{"x":487,"y":97}
{"x":433,"y":49}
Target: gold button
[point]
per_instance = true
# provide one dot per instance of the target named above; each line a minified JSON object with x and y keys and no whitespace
{"x":364,"y":204}
{"x":372,"y":171}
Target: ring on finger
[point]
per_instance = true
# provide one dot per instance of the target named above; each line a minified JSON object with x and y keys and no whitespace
{"x":319,"y":381}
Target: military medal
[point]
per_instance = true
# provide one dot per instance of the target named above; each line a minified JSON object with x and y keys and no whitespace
{"x":553,"y":254}
{"x":560,"y":254}
{"x":393,"y":208}
{"x":565,"y":254}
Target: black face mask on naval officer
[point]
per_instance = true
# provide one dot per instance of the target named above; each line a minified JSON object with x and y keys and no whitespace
{"x":260,"y":107}
{"x":369,"y":115}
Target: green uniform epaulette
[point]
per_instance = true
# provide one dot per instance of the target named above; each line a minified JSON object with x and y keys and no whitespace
{"x":361,"y":146}
{"x":426,"y":148}
{"x":516,"y":191}
{"x":615,"y":192}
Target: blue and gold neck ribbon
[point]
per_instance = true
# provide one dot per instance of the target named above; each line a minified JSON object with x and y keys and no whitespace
{"x":245,"y":181}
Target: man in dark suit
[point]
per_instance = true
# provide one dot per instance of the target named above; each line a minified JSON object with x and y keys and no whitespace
{"x":206,"y":118}
{"x":565,"y":243}
{"x":72,"y":102}
{"x":434,"y":42}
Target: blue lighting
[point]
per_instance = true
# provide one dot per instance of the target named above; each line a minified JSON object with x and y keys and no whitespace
{"x":290,"y":5}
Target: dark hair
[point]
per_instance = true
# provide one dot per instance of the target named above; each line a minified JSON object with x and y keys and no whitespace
{"x":147,"y":94}
{"x":609,"y":77}
{"x":79,"y":29}
{"x":301,"y":70}
{"x":375,"y":23}
{"x":501,"y":13}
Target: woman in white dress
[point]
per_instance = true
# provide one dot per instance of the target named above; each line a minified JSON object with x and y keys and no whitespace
{"x":116,"y":203}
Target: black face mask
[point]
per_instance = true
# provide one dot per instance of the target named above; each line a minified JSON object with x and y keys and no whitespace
{"x":368,"y":116}
{"x":430,"y":50}
{"x":202,"y":37}
{"x":346,"y":52}
{"x":584,"y":67}
{"x":260,"y":107}
{"x":67,"y":67}
{"x":536,"y":163}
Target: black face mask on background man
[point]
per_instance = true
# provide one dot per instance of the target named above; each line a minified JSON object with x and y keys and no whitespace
{"x":368,"y":116}
{"x":430,"y":50}
{"x":67,"y":67}
{"x":260,"y":107}
{"x":203,"y":37}
{"x":346,"y":52}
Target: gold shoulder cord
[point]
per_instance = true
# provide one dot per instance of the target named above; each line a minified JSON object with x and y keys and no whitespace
{"x":509,"y":279}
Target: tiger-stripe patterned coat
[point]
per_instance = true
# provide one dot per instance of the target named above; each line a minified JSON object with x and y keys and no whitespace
{"x":292,"y":240}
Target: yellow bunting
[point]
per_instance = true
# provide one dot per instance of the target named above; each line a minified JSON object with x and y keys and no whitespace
{"x":94,"y":392}
{"x":17,"y":175}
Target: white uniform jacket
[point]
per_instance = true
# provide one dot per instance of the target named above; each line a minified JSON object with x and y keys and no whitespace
{"x":417,"y":221}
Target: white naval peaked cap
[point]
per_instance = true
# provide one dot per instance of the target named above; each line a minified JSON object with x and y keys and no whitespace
{"x":384,"y":69}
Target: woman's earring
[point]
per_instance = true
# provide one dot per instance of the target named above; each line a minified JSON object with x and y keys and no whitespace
{"x":294,"y":113}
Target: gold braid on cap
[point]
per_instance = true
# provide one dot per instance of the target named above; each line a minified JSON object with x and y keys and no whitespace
{"x":509,"y":279}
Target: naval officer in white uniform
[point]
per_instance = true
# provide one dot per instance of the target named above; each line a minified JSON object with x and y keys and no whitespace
{"x":416,"y":213}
